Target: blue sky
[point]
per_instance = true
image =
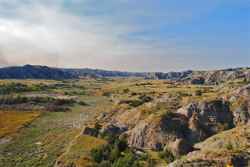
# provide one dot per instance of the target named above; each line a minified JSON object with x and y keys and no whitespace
{"x":142,"y":35}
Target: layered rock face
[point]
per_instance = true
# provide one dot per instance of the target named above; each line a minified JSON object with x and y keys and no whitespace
{"x":155,"y":134}
{"x":242,"y":113}
{"x":207,"y":118}
{"x":190,"y":124}
{"x":229,"y":147}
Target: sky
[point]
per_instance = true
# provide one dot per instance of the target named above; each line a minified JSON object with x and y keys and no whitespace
{"x":127,"y":35}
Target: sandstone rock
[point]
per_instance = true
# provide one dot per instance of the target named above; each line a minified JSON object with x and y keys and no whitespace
{"x":192,"y":123}
{"x":155,"y":133}
{"x":243,"y":91}
{"x":242,"y":99}
{"x":214,"y":151}
{"x":189,"y":110}
{"x":241,"y":116}
{"x":207,"y":118}
{"x":213,"y":114}
{"x":180,"y":147}
{"x":147,"y":137}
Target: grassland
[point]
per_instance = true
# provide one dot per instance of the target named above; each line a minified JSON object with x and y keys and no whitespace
{"x":12,"y":121}
{"x":78,"y":152}
{"x":39,"y":138}
{"x":47,"y":137}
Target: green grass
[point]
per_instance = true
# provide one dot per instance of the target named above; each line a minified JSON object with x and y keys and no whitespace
{"x":41,"y":142}
{"x":38,"y":144}
{"x":79,"y":151}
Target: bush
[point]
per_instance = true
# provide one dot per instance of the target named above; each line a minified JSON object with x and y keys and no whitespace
{"x":104,"y":164}
{"x":13,"y":88}
{"x":229,"y":146}
{"x":135,"y":103}
{"x":167,"y":155}
{"x":82,"y":103}
{"x":126,"y":90}
{"x":115,"y":154}
{"x":107,"y":94}
{"x":198,"y":93}
{"x":145,"y":99}
{"x":128,"y":160}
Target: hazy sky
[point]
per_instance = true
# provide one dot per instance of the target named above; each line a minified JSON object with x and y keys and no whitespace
{"x":132,"y":35}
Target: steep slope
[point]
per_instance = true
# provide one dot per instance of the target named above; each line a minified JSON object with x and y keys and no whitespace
{"x":231,"y":146}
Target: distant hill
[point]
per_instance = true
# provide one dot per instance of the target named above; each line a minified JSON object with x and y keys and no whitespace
{"x":196,"y":77}
{"x":34,"y":72}
{"x":102,"y":73}
{"x":44,"y":72}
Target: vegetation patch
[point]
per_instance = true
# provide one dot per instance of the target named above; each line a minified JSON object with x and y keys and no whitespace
{"x":79,"y":152}
{"x":12,"y":121}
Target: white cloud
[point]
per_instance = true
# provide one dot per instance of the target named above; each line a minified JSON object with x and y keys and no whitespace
{"x":44,"y":32}
{"x":48,"y":35}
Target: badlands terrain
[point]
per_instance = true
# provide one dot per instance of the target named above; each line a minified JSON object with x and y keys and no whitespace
{"x":82,"y":118}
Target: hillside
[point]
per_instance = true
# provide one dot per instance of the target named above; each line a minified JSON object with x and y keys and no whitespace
{"x":193,"y":119}
{"x":34,"y":72}
{"x":194,"y":77}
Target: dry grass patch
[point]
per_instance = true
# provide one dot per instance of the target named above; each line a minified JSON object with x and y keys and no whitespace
{"x":79,"y":151}
{"x":12,"y":121}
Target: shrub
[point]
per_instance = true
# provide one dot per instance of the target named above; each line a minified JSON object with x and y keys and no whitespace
{"x":128,"y":160}
{"x":115,"y":154}
{"x":145,"y":98}
{"x":126,"y":90}
{"x":104,"y":164}
{"x":167,"y":155}
{"x":13,"y":88}
{"x":229,"y":146}
{"x":198,"y":93}
{"x":82,"y":103}
{"x":107,"y":94}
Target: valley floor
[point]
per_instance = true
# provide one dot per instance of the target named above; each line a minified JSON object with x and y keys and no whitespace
{"x":122,"y":122}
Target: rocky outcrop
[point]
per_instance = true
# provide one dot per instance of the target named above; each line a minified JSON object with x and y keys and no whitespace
{"x":241,"y":99}
{"x":243,"y":91}
{"x":207,"y":118}
{"x":156,"y":133}
{"x":219,"y":76}
{"x":179,"y":131}
{"x":241,"y":116}
{"x":180,"y":147}
{"x":220,"y":150}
